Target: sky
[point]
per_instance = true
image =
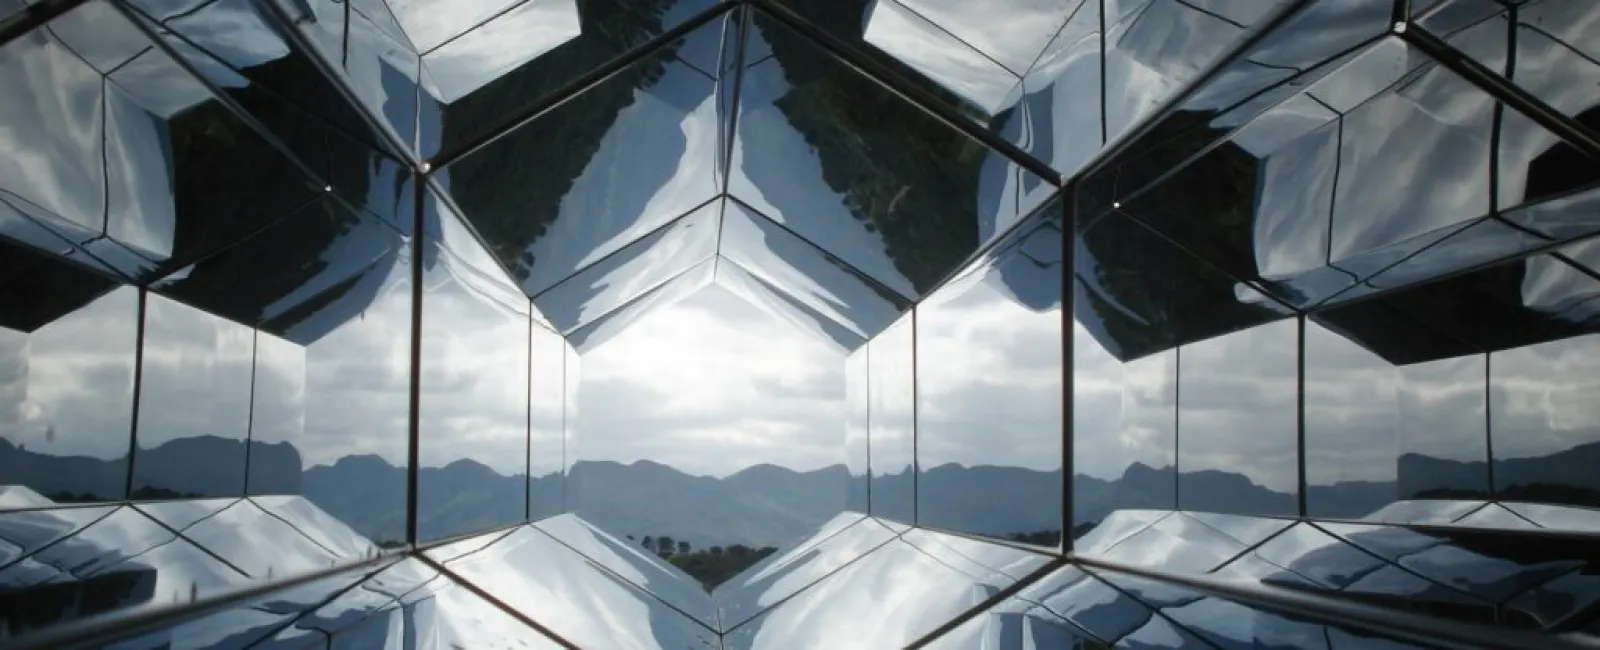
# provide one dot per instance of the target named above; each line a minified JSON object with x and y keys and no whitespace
{"x":711,"y":385}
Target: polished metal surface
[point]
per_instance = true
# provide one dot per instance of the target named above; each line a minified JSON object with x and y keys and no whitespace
{"x":1162,"y":323}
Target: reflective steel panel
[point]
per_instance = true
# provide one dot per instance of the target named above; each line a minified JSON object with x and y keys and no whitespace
{"x":989,"y":389}
{"x":68,"y":345}
{"x":473,"y":388}
{"x":911,"y":593}
{"x":842,"y":540}
{"x":656,"y":124}
{"x":643,"y":569}
{"x":1236,"y":422}
{"x":194,"y":403}
{"x":891,"y":394}
{"x":120,"y":559}
{"x":797,"y":140}
{"x":329,"y":293}
{"x":576,"y":598}
{"x":547,"y":424}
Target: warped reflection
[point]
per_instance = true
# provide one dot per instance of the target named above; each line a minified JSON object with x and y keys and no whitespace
{"x":295,"y":297}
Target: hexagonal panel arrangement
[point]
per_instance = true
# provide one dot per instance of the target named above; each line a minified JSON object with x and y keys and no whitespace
{"x":336,"y":323}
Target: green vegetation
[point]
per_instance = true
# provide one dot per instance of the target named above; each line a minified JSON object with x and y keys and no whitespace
{"x":710,"y":566}
{"x":144,"y":493}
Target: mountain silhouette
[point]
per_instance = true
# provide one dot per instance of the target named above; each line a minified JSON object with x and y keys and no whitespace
{"x":762,"y":505}
{"x":198,"y":465}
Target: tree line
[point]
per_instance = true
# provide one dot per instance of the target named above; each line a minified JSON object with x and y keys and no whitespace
{"x":710,"y":566}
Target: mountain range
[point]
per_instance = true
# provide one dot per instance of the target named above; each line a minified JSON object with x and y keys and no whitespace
{"x":762,"y":505}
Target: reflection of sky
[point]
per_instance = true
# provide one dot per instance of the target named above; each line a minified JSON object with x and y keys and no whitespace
{"x":465,"y":64}
{"x":471,"y":345}
{"x":653,"y":164}
{"x":989,"y":374}
{"x":936,"y":53}
{"x":1543,"y":397}
{"x":774,"y":169}
{"x":67,"y":388}
{"x":711,"y":385}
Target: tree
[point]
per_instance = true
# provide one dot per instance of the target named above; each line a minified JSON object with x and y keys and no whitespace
{"x":716,"y":550}
{"x":665,"y":545}
{"x":649,"y":542}
{"x":683,"y":548}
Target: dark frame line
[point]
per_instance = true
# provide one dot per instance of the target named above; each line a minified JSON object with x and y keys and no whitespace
{"x":414,"y":405}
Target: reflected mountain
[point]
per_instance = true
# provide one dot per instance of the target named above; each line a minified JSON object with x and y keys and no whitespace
{"x":763,"y":505}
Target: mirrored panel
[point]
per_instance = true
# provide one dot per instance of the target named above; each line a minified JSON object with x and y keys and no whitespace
{"x":473,"y":392}
{"x":255,"y":621}
{"x":1238,"y":422}
{"x":1312,"y":41}
{"x":1543,"y":49}
{"x":989,"y":392}
{"x":473,"y":82}
{"x":903,"y":590}
{"x":67,"y":362}
{"x":575,"y":598}
{"x":817,"y":165}
{"x":929,"y":46}
{"x":857,"y":446}
{"x":118,"y":559}
{"x":669,"y":293}
{"x":547,"y":424}
{"x":1395,"y":412}
{"x":842,"y":540}
{"x":194,"y":403}
{"x":1177,"y":617}
{"x":642,"y":568}
{"x":1155,"y":48}
{"x":1323,"y":152}
{"x":891,"y":395}
{"x":1137,"y":293}
{"x":262,"y":545}
{"x":318,"y":526}
{"x":1124,"y":442}
{"x":806,"y":274}
{"x":655,"y":123}
{"x":277,"y":415}
{"x":616,"y":280}
{"x":1472,"y":380}
{"x":166,"y":156}
{"x":366,"y":53}
{"x":329,"y":292}
{"x":1539,"y":427}
{"x":1352,"y":426}
{"x":678,"y":404}
{"x":245,"y":50}
{"x":779,"y":303}
{"x":1061,"y":111}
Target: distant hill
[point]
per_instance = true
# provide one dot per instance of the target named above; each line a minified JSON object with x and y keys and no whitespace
{"x":203,"y":465}
{"x":763,"y":505}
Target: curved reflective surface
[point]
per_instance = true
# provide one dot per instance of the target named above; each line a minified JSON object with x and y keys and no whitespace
{"x":299,"y":298}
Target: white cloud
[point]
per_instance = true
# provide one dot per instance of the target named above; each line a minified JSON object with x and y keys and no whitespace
{"x":711,"y":385}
